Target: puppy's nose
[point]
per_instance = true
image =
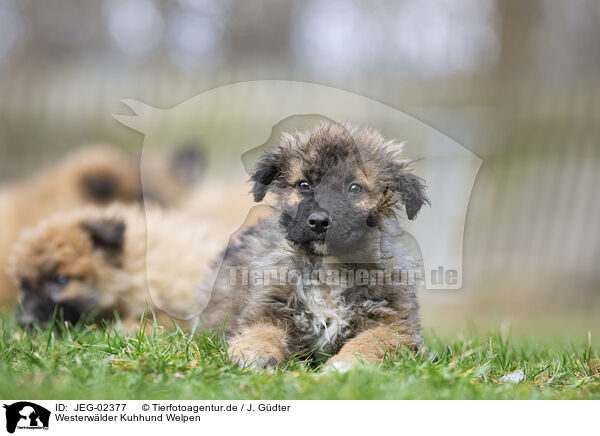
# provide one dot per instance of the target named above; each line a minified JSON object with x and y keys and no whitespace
{"x":319,"y":221}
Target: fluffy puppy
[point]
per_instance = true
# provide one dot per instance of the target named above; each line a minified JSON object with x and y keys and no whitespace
{"x":335,"y":192}
{"x":102,"y":260}
{"x":91,"y":175}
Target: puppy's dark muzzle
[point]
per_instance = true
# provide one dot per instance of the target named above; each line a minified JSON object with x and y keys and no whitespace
{"x":43,"y":313}
{"x":319,"y":221}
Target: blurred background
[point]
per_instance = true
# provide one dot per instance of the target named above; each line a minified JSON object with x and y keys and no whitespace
{"x":517,"y":83}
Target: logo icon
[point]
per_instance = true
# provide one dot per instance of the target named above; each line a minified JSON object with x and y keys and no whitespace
{"x":227,"y":119}
{"x":26,"y":415}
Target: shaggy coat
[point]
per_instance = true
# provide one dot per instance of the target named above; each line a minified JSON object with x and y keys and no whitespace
{"x":336,"y":191}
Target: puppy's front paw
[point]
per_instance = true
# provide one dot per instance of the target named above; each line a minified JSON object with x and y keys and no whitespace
{"x":258,"y":347}
{"x":254,"y":359}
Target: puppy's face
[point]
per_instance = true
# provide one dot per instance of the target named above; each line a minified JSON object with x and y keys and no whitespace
{"x":333,"y":185}
{"x":60,"y":268}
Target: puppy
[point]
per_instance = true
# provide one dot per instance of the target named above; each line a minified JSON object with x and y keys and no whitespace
{"x":102,"y":260}
{"x":335,"y":191}
{"x":91,"y":175}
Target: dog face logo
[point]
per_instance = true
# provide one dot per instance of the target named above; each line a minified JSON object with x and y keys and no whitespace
{"x":26,"y":415}
{"x":228,"y":121}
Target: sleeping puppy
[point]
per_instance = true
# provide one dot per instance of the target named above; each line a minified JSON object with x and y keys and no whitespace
{"x":94,"y":175}
{"x":91,"y":175}
{"x":102,"y":261}
{"x":321,"y":277}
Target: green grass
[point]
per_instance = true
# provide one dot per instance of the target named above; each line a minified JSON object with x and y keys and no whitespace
{"x":97,"y":362}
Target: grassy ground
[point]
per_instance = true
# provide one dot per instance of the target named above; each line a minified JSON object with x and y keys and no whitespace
{"x":96,"y":362}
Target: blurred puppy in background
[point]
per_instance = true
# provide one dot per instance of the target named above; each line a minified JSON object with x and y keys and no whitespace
{"x":102,"y":260}
{"x":92,"y":175}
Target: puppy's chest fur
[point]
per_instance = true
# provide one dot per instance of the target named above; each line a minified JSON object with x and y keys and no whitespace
{"x":316,"y":313}
{"x":323,"y":315}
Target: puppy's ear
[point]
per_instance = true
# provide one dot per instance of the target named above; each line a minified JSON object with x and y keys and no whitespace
{"x":412,"y":192}
{"x":106,"y":234}
{"x":265,"y":172}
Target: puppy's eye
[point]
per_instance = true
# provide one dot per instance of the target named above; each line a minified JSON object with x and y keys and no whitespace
{"x":303,"y":186}
{"x":61,"y":280}
{"x":355,"y":188}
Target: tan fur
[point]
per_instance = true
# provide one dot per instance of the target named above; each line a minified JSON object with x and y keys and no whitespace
{"x":372,"y":345}
{"x":220,"y":201}
{"x":58,"y":188}
{"x":259,"y":346}
{"x":295,"y":174}
{"x":160,"y":269}
{"x":62,"y":187}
